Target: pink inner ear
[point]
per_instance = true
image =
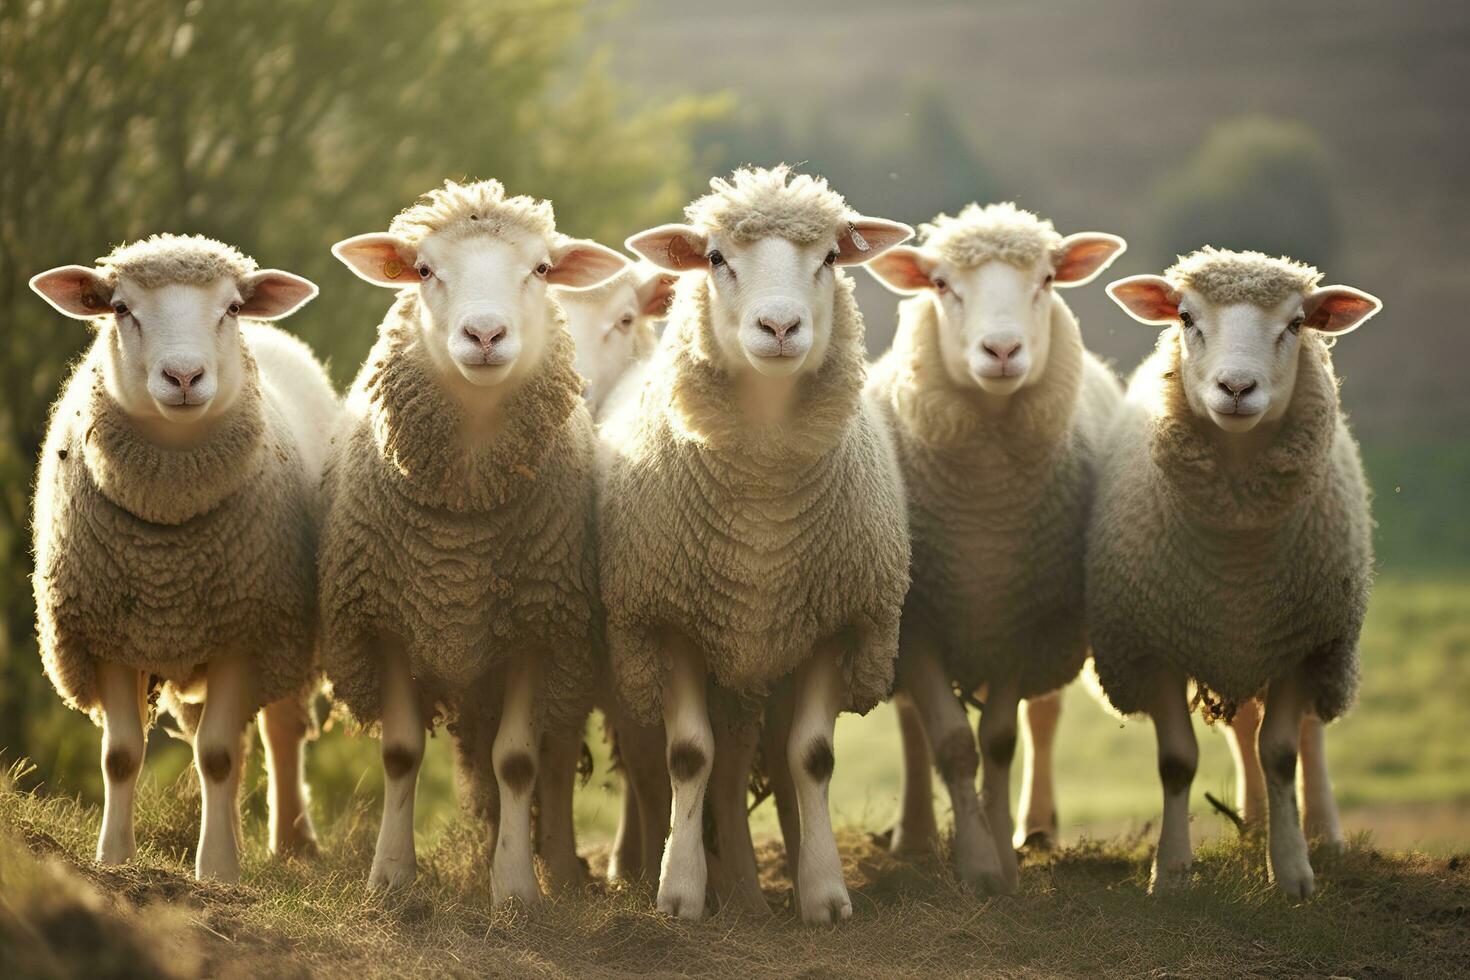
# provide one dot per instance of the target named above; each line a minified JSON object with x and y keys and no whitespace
{"x":863,"y":241}
{"x":380,"y":261}
{"x":1084,"y":258}
{"x":1339,"y":311}
{"x":901,"y":269}
{"x":1148,"y":300}
{"x":585,"y":267}
{"x":276,"y":295}
{"x":657,"y":294}
{"x":75,"y":289}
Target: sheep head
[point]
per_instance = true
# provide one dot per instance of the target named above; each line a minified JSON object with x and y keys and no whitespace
{"x":1240,"y":316}
{"x":990,"y":273}
{"x":611,"y":324}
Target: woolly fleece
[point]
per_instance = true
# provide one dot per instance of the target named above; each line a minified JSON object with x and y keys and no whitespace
{"x":756,"y":542}
{"x":190,"y":260}
{"x":478,"y":208}
{"x":1001,"y":232}
{"x":464,"y":558}
{"x":1233,"y":573}
{"x":998,"y":504}
{"x":161,"y":559}
{"x":1225,"y":277}
{"x":759,"y":203}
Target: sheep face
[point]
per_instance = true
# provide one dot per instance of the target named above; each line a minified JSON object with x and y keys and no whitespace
{"x":173,"y":354}
{"x":995,"y":317}
{"x":771,"y":298}
{"x":485,"y":312}
{"x":1238,"y":360}
{"x":610,"y":325}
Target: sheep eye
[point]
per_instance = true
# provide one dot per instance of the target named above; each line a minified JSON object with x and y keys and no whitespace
{"x":941,"y":284}
{"x":121,"y":309}
{"x":1187,"y":319}
{"x":715,"y":258}
{"x":542,"y":269}
{"x":627,"y":321}
{"x":233,"y":309}
{"x":1295,"y":326}
{"x":1046,"y":283}
{"x":425,"y":272}
{"x":831,"y":258}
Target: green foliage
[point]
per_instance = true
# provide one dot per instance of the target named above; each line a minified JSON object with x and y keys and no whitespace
{"x":1254,"y":183}
{"x":279,"y":126}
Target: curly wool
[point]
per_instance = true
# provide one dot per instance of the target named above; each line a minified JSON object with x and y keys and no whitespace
{"x":1224,"y":277}
{"x":191,"y":260}
{"x":166,"y":558}
{"x":1233,"y":573}
{"x":480,"y":207}
{"x":465,"y":559}
{"x":994,"y":232}
{"x":759,"y":203}
{"x":998,"y":504}
{"x":755,"y":542}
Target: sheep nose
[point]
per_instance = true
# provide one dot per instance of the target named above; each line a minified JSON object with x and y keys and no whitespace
{"x":485,"y":332}
{"x":1237,"y":389}
{"x":779,"y":328}
{"x":182,"y":378}
{"x":1001,"y":350}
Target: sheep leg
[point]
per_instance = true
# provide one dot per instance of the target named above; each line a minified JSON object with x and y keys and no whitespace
{"x":1250,"y":779}
{"x":821,"y":892}
{"x":957,"y":761}
{"x":122,"y":692}
{"x":684,"y":874}
{"x":1280,"y":736}
{"x":775,"y":737}
{"x":556,"y":836}
{"x":283,"y":727}
{"x":646,"y":798}
{"x":1037,"y":827}
{"x":916,"y":832}
{"x":1319,"y":805}
{"x":219,"y":754}
{"x":728,"y":789}
{"x":513,"y":873}
{"x":625,"y":860}
{"x":997,"y":734}
{"x":1178,"y":759}
{"x":394,"y":862}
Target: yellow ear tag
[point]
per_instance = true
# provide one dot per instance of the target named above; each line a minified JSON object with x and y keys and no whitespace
{"x":393,"y":268}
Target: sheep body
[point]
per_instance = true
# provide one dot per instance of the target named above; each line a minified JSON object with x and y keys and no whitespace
{"x":1234,"y":575}
{"x":466,"y":559}
{"x":998,"y":504}
{"x":756,"y":545}
{"x":162,"y":559}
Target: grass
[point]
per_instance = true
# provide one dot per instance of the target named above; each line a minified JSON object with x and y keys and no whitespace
{"x":1082,"y":911}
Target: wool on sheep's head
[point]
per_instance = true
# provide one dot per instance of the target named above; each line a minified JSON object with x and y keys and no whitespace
{"x":1222,"y":276}
{"x":993,"y":232}
{"x":756,"y":202}
{"x":480,"y":207}
{"x":189,"y":260}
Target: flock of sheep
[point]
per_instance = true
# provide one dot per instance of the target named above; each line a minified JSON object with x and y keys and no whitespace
{"x":530,"y":503}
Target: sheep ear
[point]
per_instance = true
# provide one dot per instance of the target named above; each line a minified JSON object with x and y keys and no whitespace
{"x":1148,"y":299}
{"x":678,"y":248}
{"x":904,"y":269}
{"x":383,"y":260}
{"x":75,"y":290}
{"x":1339,"y":309}
{"x":1080,"y":257}
{"x":580,"y":263}
{"x":865,"y":239}
{"x":273,"y":294}
{"x":654,"y":294}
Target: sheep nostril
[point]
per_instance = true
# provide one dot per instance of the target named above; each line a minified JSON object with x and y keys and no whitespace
{"x":1001,"y":350}
{"x":1237,"y":390}
{"x":182,"y":379}
{"x":779,"y":330}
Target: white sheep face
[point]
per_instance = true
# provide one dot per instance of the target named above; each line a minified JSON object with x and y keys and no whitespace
{"x":771,"y":299}
{"x":611,"y":327}
{"x":485,"y":313}
{"x":1238,"y":361}
{"x":995,"y":318}
{"x":173,"y":355}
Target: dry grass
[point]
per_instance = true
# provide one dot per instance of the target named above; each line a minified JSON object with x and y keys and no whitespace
{"x":1082,"y":911}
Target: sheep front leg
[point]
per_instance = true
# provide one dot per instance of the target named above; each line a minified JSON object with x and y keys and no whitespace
{"x":957,"y":761}
{"x":1250,"y":780}
{"x":394,"y":862}
{"x":121,"y":692}
{"x":916,"y":833}
{"x":1037,"y":827}
{"x":997,"y":734}
{"x":728,"y":789}
{"x":821,"y":892}
{"x":774,"y":738}
{"x":1319,"y":806}
{"x":283,"y":727}
{"x":682,"y":880}
{"x":556,"y":837}
{"x":1280,"y":736}
{"x":219,"y":754}
{"x":1178,"y":759}
{"x":513,"y":874}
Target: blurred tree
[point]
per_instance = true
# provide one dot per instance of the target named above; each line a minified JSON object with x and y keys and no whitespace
{"x":1254,"y":183}
{"x":279,"y":126}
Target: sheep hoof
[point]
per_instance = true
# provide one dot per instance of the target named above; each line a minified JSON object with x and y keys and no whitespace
{"x":522,"y":896}
{"x":824,"y":908}
{"x":681,"y":905}
{"x":988,"y":883}
{"x":1172,"y":880}
{"x":1037,"y":842}
{"x":390,"y":876}
{"x":1294,"y":877}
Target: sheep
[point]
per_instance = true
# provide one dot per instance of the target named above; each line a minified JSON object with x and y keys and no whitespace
{"x":998,"y":414}
{"x":457,"y":563}
{"x":613,"y":327}
{"x":751,"y":523}
{"x":1231,"y":543}
{"x":176,"y":515}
